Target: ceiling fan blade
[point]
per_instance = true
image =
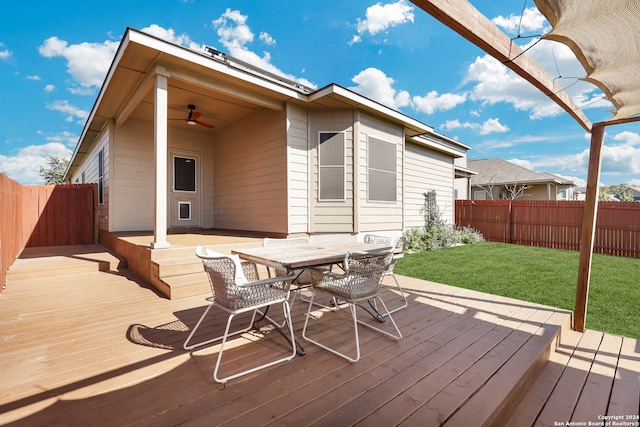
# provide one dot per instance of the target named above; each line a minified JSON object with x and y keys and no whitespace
{"x":207,"y":125}
{"x":196,"y":115}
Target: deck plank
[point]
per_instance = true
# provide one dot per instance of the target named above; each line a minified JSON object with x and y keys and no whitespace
{"x":562,"y":401}
{"x":102,"y":348}
{"x":625,"y":396}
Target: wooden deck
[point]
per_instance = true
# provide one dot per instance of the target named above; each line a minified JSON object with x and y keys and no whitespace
{"x":100,"y":347}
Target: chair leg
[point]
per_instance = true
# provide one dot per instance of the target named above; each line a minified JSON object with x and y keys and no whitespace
{"x":387,"y":316}
{"x":352,"y":309}
{"x":404,"y":297}
{"x":186,"y":346}
{"x":287,"y":311}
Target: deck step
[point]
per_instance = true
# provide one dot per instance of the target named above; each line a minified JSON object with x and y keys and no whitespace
{"x":178,"y":272}
{"x":42,"y":262}
{"x":578,"y":381}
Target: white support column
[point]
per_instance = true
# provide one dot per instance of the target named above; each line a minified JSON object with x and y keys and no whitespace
{"x":160,"y":160}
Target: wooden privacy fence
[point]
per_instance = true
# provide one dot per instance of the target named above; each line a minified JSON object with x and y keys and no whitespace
{"x":44,"y":215}
{"x":553,"y":224}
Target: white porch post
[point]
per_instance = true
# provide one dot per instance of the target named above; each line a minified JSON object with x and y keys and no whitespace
{"x":160,"y":159}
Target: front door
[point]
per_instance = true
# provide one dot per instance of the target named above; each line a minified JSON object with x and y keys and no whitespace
{"x":184,"y":190}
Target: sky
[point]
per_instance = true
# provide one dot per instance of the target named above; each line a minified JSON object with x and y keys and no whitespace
{"x":54,"y":57}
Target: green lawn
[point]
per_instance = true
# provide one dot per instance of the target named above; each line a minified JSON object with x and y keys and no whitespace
{"x":545,"y":276}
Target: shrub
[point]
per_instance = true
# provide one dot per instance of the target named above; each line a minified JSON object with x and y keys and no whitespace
{"x":436,"y":233}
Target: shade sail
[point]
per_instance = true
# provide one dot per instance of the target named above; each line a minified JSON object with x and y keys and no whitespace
{"x":605,"y":37}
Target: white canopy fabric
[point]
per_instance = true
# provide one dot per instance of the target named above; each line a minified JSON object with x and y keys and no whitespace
{"x":605,"y":37}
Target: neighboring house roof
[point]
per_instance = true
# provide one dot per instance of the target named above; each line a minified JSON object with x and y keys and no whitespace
{"x":629,"y":191}
{"x":499,"y":172}
{"x":211,"y":75}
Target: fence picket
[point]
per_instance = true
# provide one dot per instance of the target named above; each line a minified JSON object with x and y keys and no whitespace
{"x":553,"y":224}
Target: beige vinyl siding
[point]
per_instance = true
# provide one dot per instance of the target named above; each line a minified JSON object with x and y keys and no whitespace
{"x":427,"y":170}
{"x":250,"y":174}
{"x":378,"y":215}
{"x":332,"y":216}
{"x":90,"y":169}
{"x":461,"y":186}
{"x":133,"y":184}
{"x":298,"y":165}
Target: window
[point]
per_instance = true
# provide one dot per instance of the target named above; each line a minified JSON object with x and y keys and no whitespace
{"x":100,"y":177}
{"x":331,"y":171}
{"x":381,"y":171}
{"x":479,"y":195}
{"x":184,"y":174}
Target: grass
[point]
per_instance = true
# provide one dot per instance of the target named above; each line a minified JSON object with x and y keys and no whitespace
{"x":541,"y":275}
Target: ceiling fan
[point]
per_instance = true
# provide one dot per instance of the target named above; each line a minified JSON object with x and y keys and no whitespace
{"x":192,"y":118}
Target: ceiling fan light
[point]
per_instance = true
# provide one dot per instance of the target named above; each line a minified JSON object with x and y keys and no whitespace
{"x":192,"y":122}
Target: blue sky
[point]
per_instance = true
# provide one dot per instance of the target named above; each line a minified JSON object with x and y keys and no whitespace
{"x":54,"y":56}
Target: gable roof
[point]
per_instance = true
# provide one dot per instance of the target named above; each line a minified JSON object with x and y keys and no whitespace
{"x":209,"y":78}
{"x":499,"y":172}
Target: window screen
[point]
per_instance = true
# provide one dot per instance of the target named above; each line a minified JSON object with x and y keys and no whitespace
{"x":331,"y":166}
{"x":184,"y":173}
{"x":381,"y":171}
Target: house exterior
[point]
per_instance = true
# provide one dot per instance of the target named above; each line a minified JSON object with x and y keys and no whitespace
{"x":499,"y":179}
{"x":262,"y":154}
{"x":629,"y":193}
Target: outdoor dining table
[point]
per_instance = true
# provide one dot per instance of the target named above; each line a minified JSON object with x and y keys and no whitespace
{"x":296,"y":257}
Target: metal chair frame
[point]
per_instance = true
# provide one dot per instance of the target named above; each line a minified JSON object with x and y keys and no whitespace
{"x":399,"y":244}
{"x":361,"y":281}
{"x":235,"y":296}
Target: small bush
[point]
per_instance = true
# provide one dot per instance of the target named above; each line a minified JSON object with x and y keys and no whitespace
{"x":436,"y":233}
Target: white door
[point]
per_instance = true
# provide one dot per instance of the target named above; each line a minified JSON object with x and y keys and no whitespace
{"x":184,"y":190}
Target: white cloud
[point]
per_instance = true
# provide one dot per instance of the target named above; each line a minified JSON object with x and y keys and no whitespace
{"x":4,"y":52}
{"x":87,"y":63}
{"x":267,"y":39}
{"x":49,"y":88}
{"x":235,"y":35}
{"x":495,"y":83}
{"x":375,"y":84}
{"x":433,"y":102}
{"x":25,"y":165}
{"x":171,"y":36}
{"x":531,"y":20}
{"x":489,"y":126}
{"x":619,"y":159}
{"x":380,"y":17}
{"x":35,"y":78}
{"x":64,"y":107}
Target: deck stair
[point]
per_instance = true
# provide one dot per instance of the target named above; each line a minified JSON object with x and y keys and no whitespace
{"x":178,"y":271}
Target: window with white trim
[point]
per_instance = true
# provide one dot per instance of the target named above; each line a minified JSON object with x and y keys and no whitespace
{"x":331,"y":166}
{"x":101,"y":177}
{"x":381,"y":171}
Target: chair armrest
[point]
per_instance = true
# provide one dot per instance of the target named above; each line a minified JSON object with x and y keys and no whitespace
{"x":270,"y":281}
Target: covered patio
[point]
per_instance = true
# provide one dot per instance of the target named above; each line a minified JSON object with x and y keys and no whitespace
{"x":86,"y":342}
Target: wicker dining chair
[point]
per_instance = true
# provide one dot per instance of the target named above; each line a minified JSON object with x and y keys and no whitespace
{"x":399,"y":244}
{"x":360,"y":281}
{"x":302,"y":279}
{"x":234,"y":293}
